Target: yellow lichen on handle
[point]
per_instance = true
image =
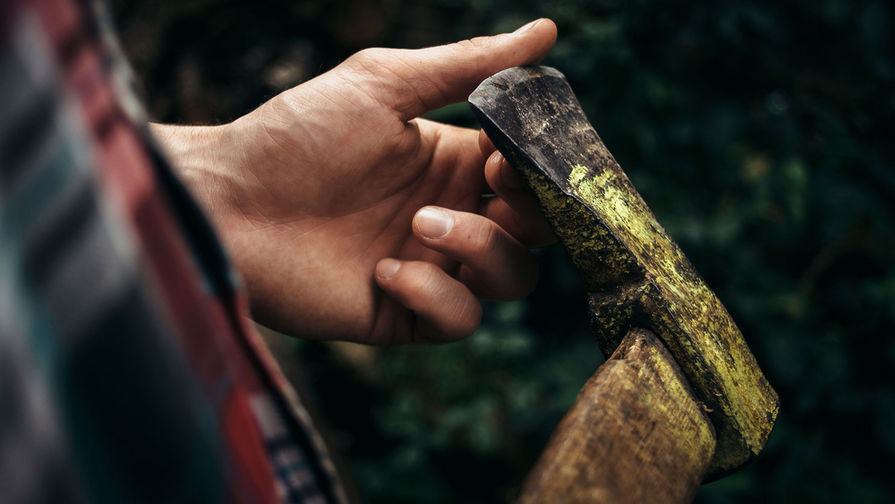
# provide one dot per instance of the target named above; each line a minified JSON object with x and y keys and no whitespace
{"x":637,"y":276}
{"x":684,"y":312}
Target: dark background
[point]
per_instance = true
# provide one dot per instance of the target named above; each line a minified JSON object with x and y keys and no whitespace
{"x":759,"y":133}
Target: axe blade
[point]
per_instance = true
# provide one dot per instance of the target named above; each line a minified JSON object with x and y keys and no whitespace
{"x":635,"y":273}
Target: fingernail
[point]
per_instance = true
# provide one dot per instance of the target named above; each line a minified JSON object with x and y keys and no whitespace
{"x":387,"y":268}
{"x":526,"y":27}
{"x":433,"y":223}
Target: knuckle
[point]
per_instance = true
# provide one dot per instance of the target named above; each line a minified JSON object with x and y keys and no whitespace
{"x":525,"y":276}
{"x":425,"y":279}
{"x":368,"y":56}
{"x":486,"y":239}
{"x":467,"y":318}
{"x":474,"y":44}
{"x":472,"y":318}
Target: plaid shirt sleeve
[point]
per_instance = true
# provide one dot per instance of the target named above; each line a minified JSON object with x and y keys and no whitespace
{"x":128,"y":369}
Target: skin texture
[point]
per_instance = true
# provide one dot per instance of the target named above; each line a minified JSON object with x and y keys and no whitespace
{"x":351,"y":218}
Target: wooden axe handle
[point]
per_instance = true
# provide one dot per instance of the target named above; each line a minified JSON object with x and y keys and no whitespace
{"x":635,"y":273}
{"x":635,"y":434}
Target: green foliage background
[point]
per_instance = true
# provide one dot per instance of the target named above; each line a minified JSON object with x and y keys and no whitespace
{"x":760,"y":133}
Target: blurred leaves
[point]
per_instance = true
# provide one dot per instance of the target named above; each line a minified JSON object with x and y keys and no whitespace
{"x":760,"y":134}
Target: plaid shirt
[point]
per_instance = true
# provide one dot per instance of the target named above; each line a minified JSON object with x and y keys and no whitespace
{"x":128,"y":369}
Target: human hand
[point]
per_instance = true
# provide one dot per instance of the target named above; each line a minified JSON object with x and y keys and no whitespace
{"x":351,"y":218}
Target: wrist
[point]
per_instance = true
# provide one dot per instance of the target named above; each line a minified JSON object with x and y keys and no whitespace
{"x":204,"y":158}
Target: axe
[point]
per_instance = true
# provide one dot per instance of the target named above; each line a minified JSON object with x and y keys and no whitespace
{"x":680,"y":398}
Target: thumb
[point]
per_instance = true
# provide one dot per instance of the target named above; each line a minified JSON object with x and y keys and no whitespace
{"x":416,"y":81}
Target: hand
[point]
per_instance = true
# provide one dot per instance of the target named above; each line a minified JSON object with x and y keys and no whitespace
{"x":351,"y":218}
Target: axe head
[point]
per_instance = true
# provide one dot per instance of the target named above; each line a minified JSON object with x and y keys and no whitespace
{"x":635,"y":273}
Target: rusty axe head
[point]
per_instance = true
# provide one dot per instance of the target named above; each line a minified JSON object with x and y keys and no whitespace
{"x":635,"y":273}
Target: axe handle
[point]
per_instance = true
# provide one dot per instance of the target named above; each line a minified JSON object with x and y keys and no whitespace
{"x":635,"y":434}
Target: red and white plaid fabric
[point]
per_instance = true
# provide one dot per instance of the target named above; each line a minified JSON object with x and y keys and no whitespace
{"x":129,"y":371}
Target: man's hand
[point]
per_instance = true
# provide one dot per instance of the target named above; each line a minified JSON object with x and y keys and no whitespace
{"x":350,"y":217}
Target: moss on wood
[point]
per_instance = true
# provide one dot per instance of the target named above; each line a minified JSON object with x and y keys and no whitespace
{"x":636,"y":274}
